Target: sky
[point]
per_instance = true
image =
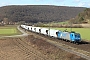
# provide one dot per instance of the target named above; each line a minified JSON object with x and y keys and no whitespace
{"x":73,"y":3}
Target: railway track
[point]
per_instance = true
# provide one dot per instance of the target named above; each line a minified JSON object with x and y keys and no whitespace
{"x":28,"y":50}
{"x":68,"y":48}
{"x":72,"y":50}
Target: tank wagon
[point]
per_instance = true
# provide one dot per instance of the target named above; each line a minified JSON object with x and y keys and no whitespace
{"x":44,"y":31}
{"x":23,"y":26}
{"x":64,"y":35}
{"x":53,"y":33}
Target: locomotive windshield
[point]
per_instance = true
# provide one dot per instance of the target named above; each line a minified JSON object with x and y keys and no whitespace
{"x":77,"y":35}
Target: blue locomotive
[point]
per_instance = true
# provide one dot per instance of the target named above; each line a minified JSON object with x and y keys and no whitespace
{"x":70,"y":36}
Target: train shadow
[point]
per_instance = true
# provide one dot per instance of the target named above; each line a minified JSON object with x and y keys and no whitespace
{"x":84,"y":42}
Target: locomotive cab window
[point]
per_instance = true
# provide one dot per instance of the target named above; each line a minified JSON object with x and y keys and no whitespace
{"x":77,"y":35}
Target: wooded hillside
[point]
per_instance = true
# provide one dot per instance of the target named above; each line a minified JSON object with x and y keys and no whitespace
{"x":38,"y":13}
{"x":83,"y":17}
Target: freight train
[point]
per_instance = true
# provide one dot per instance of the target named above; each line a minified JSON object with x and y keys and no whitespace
{"x":62,"y":35}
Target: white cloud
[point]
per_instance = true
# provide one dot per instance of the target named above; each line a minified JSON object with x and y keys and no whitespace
{"x":3,"y":4}
{"x":81,"y":4}
{"x":89,"y":5}
{"x":84,"y":4}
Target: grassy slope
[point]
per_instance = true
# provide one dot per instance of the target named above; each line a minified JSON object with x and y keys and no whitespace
{"x":8,"y":30}
{"x":55,"y":23}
